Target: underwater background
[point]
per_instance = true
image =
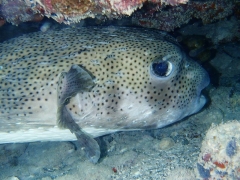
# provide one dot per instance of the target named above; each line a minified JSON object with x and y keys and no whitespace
{"x":205,"y":145}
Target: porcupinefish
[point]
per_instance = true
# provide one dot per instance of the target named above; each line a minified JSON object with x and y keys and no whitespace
{"x":81,"y":83}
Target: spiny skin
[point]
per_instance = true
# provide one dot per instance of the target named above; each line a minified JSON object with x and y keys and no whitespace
{"x":127,"y":95}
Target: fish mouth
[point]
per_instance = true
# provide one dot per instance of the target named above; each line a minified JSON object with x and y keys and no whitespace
{"x":201,"y":101}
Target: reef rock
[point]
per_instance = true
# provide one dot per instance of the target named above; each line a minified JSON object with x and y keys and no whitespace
{"x":220,"y":152}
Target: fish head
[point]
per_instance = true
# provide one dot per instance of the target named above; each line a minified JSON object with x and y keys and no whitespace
{"x":148,"y":89}
{"x":176,"y":85}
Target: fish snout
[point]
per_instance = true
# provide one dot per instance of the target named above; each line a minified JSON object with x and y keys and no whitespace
{"x":200,"y":99}
{"x":204,"y":82}
{"x":198,"y":105}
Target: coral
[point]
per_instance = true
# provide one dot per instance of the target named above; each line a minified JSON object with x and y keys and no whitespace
{"x":126,"y":7}
{"x":160,"y":14}
{"x":169,"y":18}
{"x":155,"y":14}
{"x":220,"y":153}
{"x":70,"y":11}
{"x":211,"y":11}
{"x":16,"y":11}
{"x":166,"y":20}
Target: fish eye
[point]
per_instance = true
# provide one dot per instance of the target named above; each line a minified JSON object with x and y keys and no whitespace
{"x":162,"y":68}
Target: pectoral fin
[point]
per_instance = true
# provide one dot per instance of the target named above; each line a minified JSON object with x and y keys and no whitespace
{"x":72,"y":82}
{"x":89,"y":145}
{"x":76,"y":80}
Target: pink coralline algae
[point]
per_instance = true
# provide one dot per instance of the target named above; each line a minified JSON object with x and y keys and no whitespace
{"x":169,"y":18}
{"x":125,"y":6}
{"x":159,"y":14}
{"x":71,"y":11}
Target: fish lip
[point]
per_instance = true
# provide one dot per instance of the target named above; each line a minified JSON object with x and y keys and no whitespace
{"x":202,"y":99}
{"x":202,"y":85}
{"x":200,"y":103}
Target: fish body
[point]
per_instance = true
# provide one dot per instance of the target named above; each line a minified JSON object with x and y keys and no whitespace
{"x":141,"y":80}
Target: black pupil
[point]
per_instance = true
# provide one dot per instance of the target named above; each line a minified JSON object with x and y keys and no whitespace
{"x":160,"y":68}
